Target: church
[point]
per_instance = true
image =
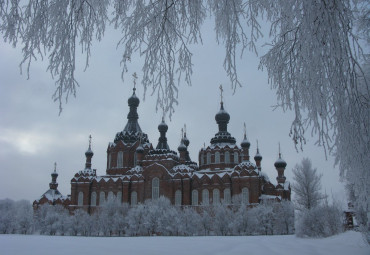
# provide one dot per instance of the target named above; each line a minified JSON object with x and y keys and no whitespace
{"x":137,"y":171}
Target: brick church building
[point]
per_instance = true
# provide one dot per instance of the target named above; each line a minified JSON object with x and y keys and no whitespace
{"x":137,"y":171}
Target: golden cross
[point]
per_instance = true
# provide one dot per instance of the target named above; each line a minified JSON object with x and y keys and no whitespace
{"x":55,"y":166}
{"x":245,"y":130}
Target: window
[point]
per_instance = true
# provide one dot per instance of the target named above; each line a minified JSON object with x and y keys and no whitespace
{"x":205,"y":197}
{"x":216,"y":196}
{"x":208,"y":158}
{"x":236,"y":157}
{"x":133,"y":198}
{"x":227,"y":196}
{"x":120,"y":159}
{"x":80,"y":201}
{"x":227,"y":157}
{"x":109,"y":160}
{"x":135,"y":158}
{"x":119,"y":197}
{"x":101,"y":198}
{"x":110,"y":196}
{"x":93,"y":198}
{"x":194,"y":197}
{"x":245,"y":196}
{"x":155,"y":188}
{"x":178,"y":197}
{"x":201,"y":159}
{"x":217,"y":157}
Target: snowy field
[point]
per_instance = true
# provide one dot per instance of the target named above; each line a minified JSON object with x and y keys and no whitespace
{"x":349,"y":243}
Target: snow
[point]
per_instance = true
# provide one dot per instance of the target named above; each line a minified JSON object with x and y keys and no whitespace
{"x":347,"y":243}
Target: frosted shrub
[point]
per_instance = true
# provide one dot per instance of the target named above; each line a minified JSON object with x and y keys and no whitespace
{"x":321,"y":221}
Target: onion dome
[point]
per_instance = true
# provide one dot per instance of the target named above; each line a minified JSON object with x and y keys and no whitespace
{"x":140,"y":149}
{"x":222,"y":118}
{"x":245,"y":143}
{"x":258,"y":156}
{"x":280,"y":163}
{"x":89,"y":152}
{"x":162,"y":141}
{"x":133,"y":100}
{"x":222,"y":136}
{"x":182,"y":146}
{"x":162,"y":127}
{"x":132,"y":131}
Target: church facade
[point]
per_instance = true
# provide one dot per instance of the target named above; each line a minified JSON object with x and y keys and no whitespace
{"x":137,"y":171}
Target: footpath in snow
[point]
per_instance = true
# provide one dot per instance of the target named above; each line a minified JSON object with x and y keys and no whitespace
{"x":348,"y":243}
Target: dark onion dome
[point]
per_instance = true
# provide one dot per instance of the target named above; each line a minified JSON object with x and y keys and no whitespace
{"x":133,"y":100}
{"x":132,"y":131}
{"x":162,"y":127}
{"x":162,"y":141}
{"x":140,"y":149}
{"x":245,"y":143}
{"x":182,"y":146}
{"x":280,"y":163}
{"x":222,"y":117}
{"x":222,"y":136}
{"x":258,"y":156}
{"x":89,"y":152}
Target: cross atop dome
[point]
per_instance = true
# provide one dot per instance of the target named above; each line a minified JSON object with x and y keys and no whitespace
{"x":135,"y":78}
{"x":221,"y":93}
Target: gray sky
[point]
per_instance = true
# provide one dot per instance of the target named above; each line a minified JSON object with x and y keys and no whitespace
{"x":33,"y":136}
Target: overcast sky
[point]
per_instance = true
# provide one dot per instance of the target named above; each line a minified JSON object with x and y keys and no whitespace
{"x":33,"y":136}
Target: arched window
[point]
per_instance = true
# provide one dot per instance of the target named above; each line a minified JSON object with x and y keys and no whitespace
{"x":205,"y":197}
{"x":216,"y":196}
{"x":133,"y":198}
{"x":202,"y":159}
{"x":120,"y":159}
{"x":93,"y":198}
{"x":227,"y":196}
{"x":217,"y":157}
{"x":194,"y":197}
{"x":109,"y":160}
{"x":80,"y":201}
{"x":236,"y":157}
{"x":110,"y":196}
{"x":119,"y":197}
{"x":155,"y":188}
{"x":227,"y":157}
{"x":101,"y":197}
{"x":208,"y":158}
{"x":178,"y":197}
{"x":245,"y":196}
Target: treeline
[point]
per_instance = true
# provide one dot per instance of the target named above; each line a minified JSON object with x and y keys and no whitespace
{"x":156,"y":217}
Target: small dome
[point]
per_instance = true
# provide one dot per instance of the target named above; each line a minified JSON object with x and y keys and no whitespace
{"x":222,"y":116}
{"x":258,"y":157}
{"x":280,"y":163}
{"x":245,"y":143}
{"x":89,"y":152}
{"x":140,"y":149}
{"x":162,"y":127}
{"x":133,"y":100}
{"x":182,"y":146}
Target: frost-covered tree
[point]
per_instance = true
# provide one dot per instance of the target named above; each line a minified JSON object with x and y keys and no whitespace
{"x":315,"y":61}
{"x":306,"y":185}
{"x":322,"y":221}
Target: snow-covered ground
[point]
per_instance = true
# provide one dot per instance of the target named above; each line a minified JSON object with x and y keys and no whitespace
{"x":348,"y":243}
